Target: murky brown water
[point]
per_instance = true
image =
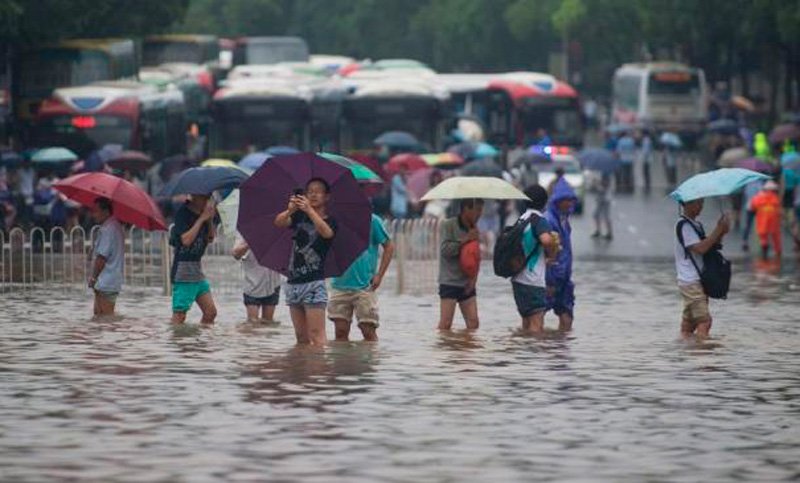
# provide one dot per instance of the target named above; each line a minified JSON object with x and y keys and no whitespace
{"x":619,"y":399}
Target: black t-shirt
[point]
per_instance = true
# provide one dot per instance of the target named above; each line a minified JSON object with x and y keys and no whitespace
{"x":186,"y":266}
{"x":309,"y":249}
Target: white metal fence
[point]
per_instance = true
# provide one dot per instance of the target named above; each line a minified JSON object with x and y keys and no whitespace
{"x":60,"y":259}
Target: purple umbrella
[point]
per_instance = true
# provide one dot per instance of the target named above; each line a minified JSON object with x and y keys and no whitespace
{"x":267,"y":193}
{"x":755,"y":164}
{"x":784,"y":132}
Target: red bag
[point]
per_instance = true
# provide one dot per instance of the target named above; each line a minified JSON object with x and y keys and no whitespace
{"x":470,"y":258}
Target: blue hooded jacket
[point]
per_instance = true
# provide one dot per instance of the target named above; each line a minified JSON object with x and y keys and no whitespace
{"x":561,"y":271}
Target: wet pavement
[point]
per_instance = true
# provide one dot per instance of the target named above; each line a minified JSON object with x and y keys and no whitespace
{"x":618,"y":399}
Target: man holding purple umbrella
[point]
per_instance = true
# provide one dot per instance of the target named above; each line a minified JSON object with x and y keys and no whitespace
{"x":306,"y":294}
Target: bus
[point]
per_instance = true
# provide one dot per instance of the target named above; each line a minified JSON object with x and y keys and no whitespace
{"x":187,"y":78}
{"x":373,"y":107}
{"x":537,"y":102}
{"x":191,"y":49}
{"x":130,"y":114}
{"x":472,"y":99}
{"x":76,"y":62}
{"x":257,"y":114}
{"x":269,"y":50}
{"x":664,"y":96}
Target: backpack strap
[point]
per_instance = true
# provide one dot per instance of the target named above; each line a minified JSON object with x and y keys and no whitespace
{"x":679,"y":233}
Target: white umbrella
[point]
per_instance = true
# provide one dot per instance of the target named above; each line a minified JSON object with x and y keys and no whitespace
{"x":477,"y":187}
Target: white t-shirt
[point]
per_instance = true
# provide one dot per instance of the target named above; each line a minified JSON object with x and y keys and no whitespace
{"x":534,"y":272}
{"x":258,"y":281}
{"x":110,"y":244}
{"x":687,"y":273}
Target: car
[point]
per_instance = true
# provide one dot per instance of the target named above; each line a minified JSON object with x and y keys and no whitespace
{"x":573,"y":173}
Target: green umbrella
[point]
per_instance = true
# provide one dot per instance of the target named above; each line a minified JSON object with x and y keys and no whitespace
{"x":361,"y":173}
{"x":53,"y":155}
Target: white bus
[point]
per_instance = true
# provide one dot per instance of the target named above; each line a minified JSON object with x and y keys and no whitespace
{"x":664,"y":96}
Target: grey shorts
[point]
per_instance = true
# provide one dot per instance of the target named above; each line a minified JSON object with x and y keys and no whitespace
{"x":311,"y":295}
{"x":110,"y":296}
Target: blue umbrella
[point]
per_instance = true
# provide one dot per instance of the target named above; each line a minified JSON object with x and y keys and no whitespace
{"x":670,"y":139}
{"x":483,"y":167}
{"x":253,"y":161}
{"x":483,"y":150}
{"x":97,"y":159}
{"x":10,"y":159}
{"x":720,"y":182}
{"x":469,"y":151}
{"x":281,"y":150}
{"x":53,"y":155}
{"x":204,"y":181}
{"x":397,"y":139}
{"x":599,"y":159}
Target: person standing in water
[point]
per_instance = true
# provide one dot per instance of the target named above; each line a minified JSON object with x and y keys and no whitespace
{"x":109,"y":258}
{"x":262,"y":286}
{"x":456,"y":288}
{"x":602,"y":209}
{"x":191,"y":233}
{"x":560,"y":288}
{"x":306,"y":294}
{"x":690,"y":242}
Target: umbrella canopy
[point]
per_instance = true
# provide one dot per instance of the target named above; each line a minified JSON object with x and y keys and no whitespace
{"x":618,"y":128}
{"x":790,"y":157}
{"x":783,"y":132}
{"x":397,"y":139}
{"x":469,"y":150}
{"x":720,"y":182}
{"x":404,"y":162}
{"x":228,"y":210}
{"x":98,"y":158}
{"x":484,"y":150}
{"x":599,"y":159}
{"x":53,"y":155}
{"x":531,"y":158}
{"x":253,"y":161}
{"x":267,"y":192}
{"x":731,"y":156}
{"x":723,"y":126}
{"x":129,"y":202}
{"x":175,"y":164}
{"x":130,"y":161}
{"x":281,"y":150}
{"x":204,"y":181}
{"x":446,"y":160}
{"x":218,"y":163}
{"x":9,"y":159}
{"x":460,"y":187}
{"x":361,"y":173}
{"x":671,"y":140}
{"x":793,"y":164}
{"x":755,"y":164}
{"x":419,"y":182}
{"x":483,"y":167}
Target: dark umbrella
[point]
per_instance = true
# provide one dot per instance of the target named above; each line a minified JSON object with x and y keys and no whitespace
{"x":783,"y":132}
{"x":204,"y":181}
{"x":483,"y":167}
{"x":723,"y":126}
{"x":598,"y":159}
{"x":755,"y":164}
{"x":130,"y":161}
{"x":530,"y":158}
{"x":97,"y":159}
{"x":397,"y":139}
{"x":281,"y":150}
{"x":9,"y":159}
{"x":267,"y":192}
{"x":175,"y":164}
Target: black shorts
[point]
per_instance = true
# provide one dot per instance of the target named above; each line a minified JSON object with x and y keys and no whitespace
{"x":529,"y":299}
{"x":454,"y":292}
{"x":268,"y":300}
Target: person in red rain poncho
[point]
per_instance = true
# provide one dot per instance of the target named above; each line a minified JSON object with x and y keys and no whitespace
{"x":767,"y":206}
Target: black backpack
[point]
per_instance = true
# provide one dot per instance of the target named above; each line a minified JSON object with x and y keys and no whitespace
{"x":716,"y":274}
{"x":509,"y":254}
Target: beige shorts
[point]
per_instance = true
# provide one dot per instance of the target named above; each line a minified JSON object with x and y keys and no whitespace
{"x":695,"y":303}
{"x":363,"y":303}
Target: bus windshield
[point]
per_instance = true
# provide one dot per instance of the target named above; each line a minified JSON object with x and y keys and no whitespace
{"x":50,"y":69}
{"x":156,"y":53}
{"x":562,"y":123}
{"x":362,"y":132}
{"x":674,"y":83}
{"x":96,"y":132}
{"x":243,"y":134}
{"x":264,"y":52}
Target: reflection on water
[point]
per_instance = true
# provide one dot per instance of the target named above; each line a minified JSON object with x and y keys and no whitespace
{"x":620,"y":397}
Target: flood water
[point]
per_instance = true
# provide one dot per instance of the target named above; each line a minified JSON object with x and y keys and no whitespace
{"x":621,"y":398}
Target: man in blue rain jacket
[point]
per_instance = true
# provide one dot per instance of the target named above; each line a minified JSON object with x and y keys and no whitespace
{"x":560,"y":289}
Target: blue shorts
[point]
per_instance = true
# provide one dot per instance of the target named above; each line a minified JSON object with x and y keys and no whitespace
{"x":312,"y":295}
{"x":529,"y":299}
{"x":563,"y":299}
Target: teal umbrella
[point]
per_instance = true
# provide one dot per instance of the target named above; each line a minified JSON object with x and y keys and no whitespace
{"x":361,"y":173}
{"x":720,"y":182}
{"x":53,"y":155}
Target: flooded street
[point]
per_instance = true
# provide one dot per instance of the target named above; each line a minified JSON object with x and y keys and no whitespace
{"x":619,"y":399}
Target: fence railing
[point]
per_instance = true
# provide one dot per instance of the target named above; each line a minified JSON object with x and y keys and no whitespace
{"x":60,"y":259}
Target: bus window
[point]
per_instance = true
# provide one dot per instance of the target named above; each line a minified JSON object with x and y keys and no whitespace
{"x":156,"y":53}
{"x":674,"y":83}
{"x":51,"y":69}
{"x":94,"y":132}
{"x":626,"y":92}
